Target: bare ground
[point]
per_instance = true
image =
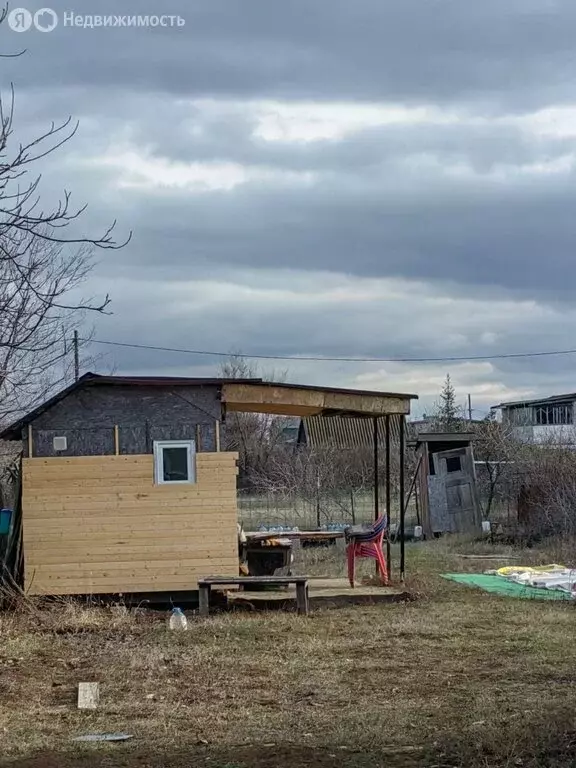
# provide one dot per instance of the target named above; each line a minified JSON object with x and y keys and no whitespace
{"x":456,"y":678}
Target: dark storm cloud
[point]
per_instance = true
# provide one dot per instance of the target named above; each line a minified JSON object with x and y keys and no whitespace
{"x":490,"y":237}
{"x":518,"y":53}
{"x":367,"y":211}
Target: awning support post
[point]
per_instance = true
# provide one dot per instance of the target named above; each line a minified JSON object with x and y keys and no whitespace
{"x":376,"y":489}
{"x":402,"y":503}
{"x":388,"y":497}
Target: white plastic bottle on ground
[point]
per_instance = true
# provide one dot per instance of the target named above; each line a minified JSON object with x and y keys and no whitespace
{"x":177,"y":619}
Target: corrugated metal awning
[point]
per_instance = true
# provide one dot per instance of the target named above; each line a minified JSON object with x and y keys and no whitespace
{"x":336,"y":432}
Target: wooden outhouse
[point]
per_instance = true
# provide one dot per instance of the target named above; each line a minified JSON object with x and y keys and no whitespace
{"x":447,"y":483}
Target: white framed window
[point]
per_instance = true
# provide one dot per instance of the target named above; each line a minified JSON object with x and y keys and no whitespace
{"x":60,"y":443}
{"x":174,"y":462}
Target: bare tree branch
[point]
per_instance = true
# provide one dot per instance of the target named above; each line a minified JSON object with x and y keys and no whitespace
{"x":20,"y":207}
{"x":36,"y":324}
{"x":42,"y":266}
{"x":3,"y":14}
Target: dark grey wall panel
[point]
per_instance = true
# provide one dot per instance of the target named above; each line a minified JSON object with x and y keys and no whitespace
{"x":143,"y":414}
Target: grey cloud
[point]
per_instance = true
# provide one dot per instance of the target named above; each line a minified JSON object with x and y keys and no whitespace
{"x":228,"y":134}
{"x":411,"y":327}
{"x":231,"y":138}
{"x":519,"y":53}
{"x":490,"y":239}
{"x":367,"y":214}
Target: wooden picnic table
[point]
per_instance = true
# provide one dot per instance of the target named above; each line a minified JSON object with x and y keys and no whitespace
{"x":205,"y":585}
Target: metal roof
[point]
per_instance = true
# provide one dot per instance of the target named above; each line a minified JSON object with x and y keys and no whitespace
{"x":160,"y":381}
{"x":445,"y":437}
{"x":336,"y":432}
{"x":14,"y":431}
{"x":571,"y":396}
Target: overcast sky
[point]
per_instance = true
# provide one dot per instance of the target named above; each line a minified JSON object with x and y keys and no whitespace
{"x":357,"y":178}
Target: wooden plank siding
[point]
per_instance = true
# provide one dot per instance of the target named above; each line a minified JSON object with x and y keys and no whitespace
{"x":99,"y":524}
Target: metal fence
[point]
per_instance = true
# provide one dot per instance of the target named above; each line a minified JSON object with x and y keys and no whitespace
{"x":270,"y":509}
{"x":328,"y":508}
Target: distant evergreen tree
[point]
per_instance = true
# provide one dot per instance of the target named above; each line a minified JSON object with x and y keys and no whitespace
{"x":449,"y":416}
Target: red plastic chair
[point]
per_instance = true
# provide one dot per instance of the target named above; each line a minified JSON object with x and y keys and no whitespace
{"x":366,"y":542}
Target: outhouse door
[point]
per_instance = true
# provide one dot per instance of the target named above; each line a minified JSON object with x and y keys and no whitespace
{"x":455,"y":471}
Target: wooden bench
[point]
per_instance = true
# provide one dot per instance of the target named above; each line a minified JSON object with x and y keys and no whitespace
{"x":205,"y":585}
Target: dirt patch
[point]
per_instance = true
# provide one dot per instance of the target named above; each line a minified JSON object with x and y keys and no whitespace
{"x":264,"y":756}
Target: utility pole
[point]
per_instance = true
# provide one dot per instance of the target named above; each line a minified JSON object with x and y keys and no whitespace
{"x":76,"y":357}
{"x":469,"y":408}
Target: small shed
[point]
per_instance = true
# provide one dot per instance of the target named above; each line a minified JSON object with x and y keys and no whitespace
{"x":447,"y":483}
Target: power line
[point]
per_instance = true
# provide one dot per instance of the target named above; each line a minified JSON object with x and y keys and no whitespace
{"x":319,"y":359}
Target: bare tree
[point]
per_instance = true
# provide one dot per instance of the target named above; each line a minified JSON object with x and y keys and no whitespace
{"x":499,"y":456}
{"x":44,"y":258}
{"x":36,"y":321}
{"x":256,"y":436}
{"x":337,"y":482}
{"x":547,"y":503}
{"x":20,"y":201}
{"x":535,"y":479}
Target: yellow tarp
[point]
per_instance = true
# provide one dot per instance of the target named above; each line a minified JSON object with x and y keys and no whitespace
{"x":511,"y":569}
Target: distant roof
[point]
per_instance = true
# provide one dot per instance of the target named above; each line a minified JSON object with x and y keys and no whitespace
{"x":538,"y":401}
{"x":445,"y":437}
{"x":14,"y":431}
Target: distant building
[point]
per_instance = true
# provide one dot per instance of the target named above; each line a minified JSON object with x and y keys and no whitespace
{"x":424,"y":424}
{"x":430,"y":424}
{"x":543,"y":420}
{"x":289,"y":432}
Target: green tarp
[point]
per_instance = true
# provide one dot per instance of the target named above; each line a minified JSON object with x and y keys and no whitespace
{"x":501,"y":586}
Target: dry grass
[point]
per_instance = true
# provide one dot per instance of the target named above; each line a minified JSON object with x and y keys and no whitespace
{"x":458,"y":678}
